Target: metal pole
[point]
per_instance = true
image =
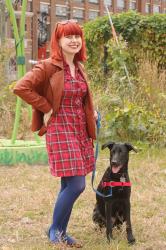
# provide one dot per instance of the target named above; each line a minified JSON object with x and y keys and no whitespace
{"x":117,"y":42}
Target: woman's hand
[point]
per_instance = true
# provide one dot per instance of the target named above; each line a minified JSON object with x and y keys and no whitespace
{"x":47,"y":117}
{"x":95,"y":115}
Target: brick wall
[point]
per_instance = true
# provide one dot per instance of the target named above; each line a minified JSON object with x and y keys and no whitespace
{"x":81,"y":10}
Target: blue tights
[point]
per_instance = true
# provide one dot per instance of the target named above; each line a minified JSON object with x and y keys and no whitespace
{"x":71,"y":188}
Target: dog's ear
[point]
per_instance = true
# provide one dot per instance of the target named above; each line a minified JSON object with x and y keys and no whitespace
{"x":130,"y":147}
{"x":108,"y":144}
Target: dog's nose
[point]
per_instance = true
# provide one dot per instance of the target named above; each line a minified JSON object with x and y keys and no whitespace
{"x":114,"y":162}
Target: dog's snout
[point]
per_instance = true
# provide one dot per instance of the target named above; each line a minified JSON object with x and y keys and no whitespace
{"x":114,"y":162}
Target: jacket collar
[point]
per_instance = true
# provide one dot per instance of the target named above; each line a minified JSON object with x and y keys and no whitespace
{"x":60,"y":63}
{"x":61,"y":66}
{"x":55,"y":62}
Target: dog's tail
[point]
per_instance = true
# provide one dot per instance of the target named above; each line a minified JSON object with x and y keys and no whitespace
{"x":97,"y":217}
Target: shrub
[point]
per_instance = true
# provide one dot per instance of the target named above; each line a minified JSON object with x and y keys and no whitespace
{"x":142,"y":33}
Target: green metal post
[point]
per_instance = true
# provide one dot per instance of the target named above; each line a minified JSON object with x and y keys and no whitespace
{"x":19,"y":42}
{"x":20,"y":54}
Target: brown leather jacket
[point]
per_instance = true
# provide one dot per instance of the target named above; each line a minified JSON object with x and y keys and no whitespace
{"x":42,"y":88}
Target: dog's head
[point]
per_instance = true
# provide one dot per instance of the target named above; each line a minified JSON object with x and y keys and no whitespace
{"x":119,"y":155}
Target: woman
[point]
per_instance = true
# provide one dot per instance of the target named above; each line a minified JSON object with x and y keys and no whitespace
{"x":62,"y":105}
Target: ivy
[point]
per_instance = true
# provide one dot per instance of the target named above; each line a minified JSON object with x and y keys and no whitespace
{"x":147,"y":33}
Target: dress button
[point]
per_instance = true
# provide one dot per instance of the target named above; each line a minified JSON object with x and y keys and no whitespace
{"x":77,"y":102}
{"x":79,"y":112}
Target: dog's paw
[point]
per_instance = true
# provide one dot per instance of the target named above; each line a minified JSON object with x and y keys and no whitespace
{"x":110,"y":240}
{"x":131,"y":240}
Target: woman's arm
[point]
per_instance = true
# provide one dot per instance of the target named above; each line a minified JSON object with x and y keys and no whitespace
{"x":25,"y":88}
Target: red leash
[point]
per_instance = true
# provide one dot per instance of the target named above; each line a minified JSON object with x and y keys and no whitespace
{"x":116,"y":184}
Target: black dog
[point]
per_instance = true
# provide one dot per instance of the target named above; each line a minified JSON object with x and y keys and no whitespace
{"x":114,"y":210}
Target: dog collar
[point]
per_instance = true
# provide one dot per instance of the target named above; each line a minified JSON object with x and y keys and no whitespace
{"x":116,"y":184}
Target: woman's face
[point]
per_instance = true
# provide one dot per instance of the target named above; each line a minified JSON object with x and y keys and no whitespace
{"x":70,"y":44}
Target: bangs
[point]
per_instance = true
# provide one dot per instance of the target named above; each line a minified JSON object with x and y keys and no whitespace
{"x":69,"y":29}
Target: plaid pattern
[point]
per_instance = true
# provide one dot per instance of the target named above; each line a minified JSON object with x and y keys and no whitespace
{"x":70,"y":150}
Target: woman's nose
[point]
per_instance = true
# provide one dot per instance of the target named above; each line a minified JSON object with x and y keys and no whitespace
{"x":74,"y":38}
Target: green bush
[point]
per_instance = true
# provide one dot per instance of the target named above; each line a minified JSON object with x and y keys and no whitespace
{"x":132,"y":109}
{"x":142,"y":33}
{"x":136,"y":123}
{"x":131,"y":117}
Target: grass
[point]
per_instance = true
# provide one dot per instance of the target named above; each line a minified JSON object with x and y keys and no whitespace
{"x":27,"y":196}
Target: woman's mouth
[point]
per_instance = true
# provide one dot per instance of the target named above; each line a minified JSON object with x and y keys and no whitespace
{"x":74,"y":46}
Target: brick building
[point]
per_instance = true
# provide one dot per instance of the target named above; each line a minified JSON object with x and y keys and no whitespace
{"x":43,"y":14}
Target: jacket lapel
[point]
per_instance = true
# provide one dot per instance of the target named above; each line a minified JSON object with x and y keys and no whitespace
{"x":57,"y":84}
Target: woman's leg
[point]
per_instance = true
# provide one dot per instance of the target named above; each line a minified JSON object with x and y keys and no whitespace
{"x":78,"y":182}
{"x":51,"y":233}
{"x":63,"y":186}
{"x":75,"y":185}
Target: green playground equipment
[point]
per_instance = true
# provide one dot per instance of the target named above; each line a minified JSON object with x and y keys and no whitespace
{"x":28,"y":152}
{"x":13,"y":151}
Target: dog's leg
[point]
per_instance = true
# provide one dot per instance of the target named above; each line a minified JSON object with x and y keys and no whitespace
{"x":108,"y":209}
{"x":130,"y":237}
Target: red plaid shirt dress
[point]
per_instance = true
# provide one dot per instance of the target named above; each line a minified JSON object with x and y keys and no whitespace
{"x":70,"y":150}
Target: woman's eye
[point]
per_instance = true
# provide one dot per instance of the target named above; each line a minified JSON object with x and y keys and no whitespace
{"x":69,"y":37}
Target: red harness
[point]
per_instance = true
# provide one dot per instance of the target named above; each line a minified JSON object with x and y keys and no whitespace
{"x":116,"y":184}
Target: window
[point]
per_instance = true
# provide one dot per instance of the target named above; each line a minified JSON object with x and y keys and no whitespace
{"x":78,"y":13}
{"x":15,"y":2}
{"x":93,"y":1}
{"x":12,"y":68}
{"x":108,"y":2}
{"x":156,"y":8}
{"x":61,"y":10}
{"x":121,"y":4}
{"x":93,"y":14}
{"x":44,"y":8}
{"x":133,"y":5}
{"x":29,"y":6}
{"x":147,"y":8}
{"x":79,"y":1}
{"x":48,"y":32}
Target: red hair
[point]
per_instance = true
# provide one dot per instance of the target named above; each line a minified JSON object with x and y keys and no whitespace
{"x":70,"y":28}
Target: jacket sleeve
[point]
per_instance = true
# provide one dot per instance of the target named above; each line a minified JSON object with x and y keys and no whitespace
{"x":26,"y":87}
